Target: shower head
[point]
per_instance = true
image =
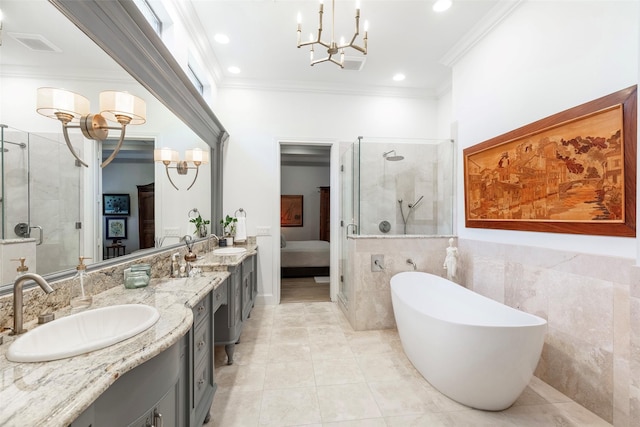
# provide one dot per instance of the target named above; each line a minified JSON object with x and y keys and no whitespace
{"x":393,"y":158}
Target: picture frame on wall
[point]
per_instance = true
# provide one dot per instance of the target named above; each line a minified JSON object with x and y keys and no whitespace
{"x":116,"y":228}
{"x":573,"y":172}
{"x":115,"y":204}
{"x":291,"y":210}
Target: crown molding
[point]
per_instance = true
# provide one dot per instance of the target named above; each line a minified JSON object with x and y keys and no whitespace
{"x":300,"y":87}
{"x":479,"y":31}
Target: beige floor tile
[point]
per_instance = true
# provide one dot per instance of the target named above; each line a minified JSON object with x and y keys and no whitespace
{"x":381,"y":367}
{"x":371,"y":422}
{"x":314,"y":319}
{"x":294,"y":334}
{"x":289,"y":375}
{"x":551,"y":415}
{"x":402,"y":397}
{"x":241,"y":377}
{"x":289,"y":352}
{"x":234,"y":408}
{"x":301,"y":364}
{"x":347,"y":402}
{"x":290,"y":407}
{"x":326,"y":331}
{"x":581,"y":416}
{"x":337,"y":371}
{"x":422,"y":420}
{"x":330,"y":348}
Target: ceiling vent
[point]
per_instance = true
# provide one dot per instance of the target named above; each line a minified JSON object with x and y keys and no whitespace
{"x":354,"y":63}
{"x":35,"y":42}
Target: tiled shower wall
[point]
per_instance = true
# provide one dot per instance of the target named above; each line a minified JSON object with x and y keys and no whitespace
{"x":592,"y":306}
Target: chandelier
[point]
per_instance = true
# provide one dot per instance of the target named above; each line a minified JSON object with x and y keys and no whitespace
{"x":333,"y":48}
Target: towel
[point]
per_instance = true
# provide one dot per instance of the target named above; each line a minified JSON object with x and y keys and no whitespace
{"x":241,"y":230}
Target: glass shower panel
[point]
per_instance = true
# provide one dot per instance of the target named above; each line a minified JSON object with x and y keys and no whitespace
{"x":14,"y":180}
{"x":406,"y":187}
{"x":349,"y":167}
{"x":55,"y":199}
{"x":41,"y":188}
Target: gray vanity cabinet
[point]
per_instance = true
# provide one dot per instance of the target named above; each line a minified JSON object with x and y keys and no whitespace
{"x":201,"y":384}
{"x":142,"y":396}
{"x":242,"y":290}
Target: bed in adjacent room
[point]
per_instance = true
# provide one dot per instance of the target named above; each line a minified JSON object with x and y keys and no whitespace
{"x":304,"y":258}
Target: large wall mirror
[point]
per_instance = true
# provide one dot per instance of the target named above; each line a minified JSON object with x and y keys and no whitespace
{"x":63,"y":44}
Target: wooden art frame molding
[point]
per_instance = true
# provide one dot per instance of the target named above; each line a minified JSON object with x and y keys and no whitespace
{"x":291,"y":210}
{"x":478,"y":177}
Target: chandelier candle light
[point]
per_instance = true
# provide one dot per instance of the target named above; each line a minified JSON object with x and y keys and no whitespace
{"x":333,"y":48}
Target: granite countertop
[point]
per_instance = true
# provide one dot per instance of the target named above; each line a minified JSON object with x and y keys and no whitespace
{"x":55,"y":393}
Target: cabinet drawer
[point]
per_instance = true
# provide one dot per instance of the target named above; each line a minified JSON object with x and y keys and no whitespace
{"x":220,"y":296}
{"x":201,"y":310}
{"x":201,"y":342}
{"x":201,"y":381}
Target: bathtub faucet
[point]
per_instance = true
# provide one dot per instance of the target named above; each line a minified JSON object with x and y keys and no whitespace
{"x":410,"y":261}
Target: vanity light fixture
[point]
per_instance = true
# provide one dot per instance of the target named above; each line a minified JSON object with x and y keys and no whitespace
{"x":119,"y":107}
{"x":333,"y":48}
{"x":167,"y":156}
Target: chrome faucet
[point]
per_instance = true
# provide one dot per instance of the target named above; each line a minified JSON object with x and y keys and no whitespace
{"x":17,"y":298}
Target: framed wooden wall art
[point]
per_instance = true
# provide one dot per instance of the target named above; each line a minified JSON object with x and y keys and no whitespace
{"x":573,"y":172}
{"x":291,"y":208}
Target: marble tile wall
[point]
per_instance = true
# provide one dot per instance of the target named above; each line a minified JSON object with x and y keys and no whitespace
{"x":383,"y":183}
{"x":592,"y":306}
{"x":368,"y":305}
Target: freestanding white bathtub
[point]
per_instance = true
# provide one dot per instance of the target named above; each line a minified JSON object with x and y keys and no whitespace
{"x":471,"y":348}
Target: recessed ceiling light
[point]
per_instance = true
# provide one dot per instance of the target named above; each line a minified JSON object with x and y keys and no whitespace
{"x":441,"y":5}
{"x":399,"y":77}
{"x":221,"y":38}
{"x":233,"y":70}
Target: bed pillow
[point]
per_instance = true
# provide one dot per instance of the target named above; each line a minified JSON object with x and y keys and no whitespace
{"x":283,"y":241}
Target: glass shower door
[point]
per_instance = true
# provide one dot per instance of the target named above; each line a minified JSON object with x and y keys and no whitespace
{"x":349,"y":175}
{"x":40,"y":197}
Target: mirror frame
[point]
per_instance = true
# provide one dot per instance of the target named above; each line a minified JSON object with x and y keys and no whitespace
{"x":119,"y":28}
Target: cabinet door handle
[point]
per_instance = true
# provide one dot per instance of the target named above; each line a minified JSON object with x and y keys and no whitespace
{"x":201,"y":344}
{"x":201,"y":309}
{"x":157,"y":419}
{"x":200,"y":382}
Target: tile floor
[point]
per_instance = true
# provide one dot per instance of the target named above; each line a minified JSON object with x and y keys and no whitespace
{"x":302,"y":364}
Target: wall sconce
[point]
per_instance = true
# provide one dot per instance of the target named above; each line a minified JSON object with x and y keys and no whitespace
{"x":167,"y":156}
{"x":66,"y":106}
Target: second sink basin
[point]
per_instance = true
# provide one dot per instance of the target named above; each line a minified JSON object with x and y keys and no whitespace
{"x":229,"y":251}
{"x":82,"y":332}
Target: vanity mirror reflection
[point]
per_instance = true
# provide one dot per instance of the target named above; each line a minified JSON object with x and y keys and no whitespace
{"x":43,"y":46}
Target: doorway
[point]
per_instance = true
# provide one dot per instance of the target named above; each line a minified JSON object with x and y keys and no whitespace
{"x":305,"y":225}
{"x":131,"y":174}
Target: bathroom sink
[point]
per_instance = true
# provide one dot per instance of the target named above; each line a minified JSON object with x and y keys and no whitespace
{"x":82,"y":332}
{"x":229,"y":251}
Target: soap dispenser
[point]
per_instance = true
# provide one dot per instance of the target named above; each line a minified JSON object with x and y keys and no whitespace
{"x":80,"y":288}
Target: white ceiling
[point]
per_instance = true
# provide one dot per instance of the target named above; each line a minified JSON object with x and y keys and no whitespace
{"x":405,"y":36}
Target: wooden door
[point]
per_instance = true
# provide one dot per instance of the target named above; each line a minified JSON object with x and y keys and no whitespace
{"x":325,"y":220}
{"x":146,"y":215}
